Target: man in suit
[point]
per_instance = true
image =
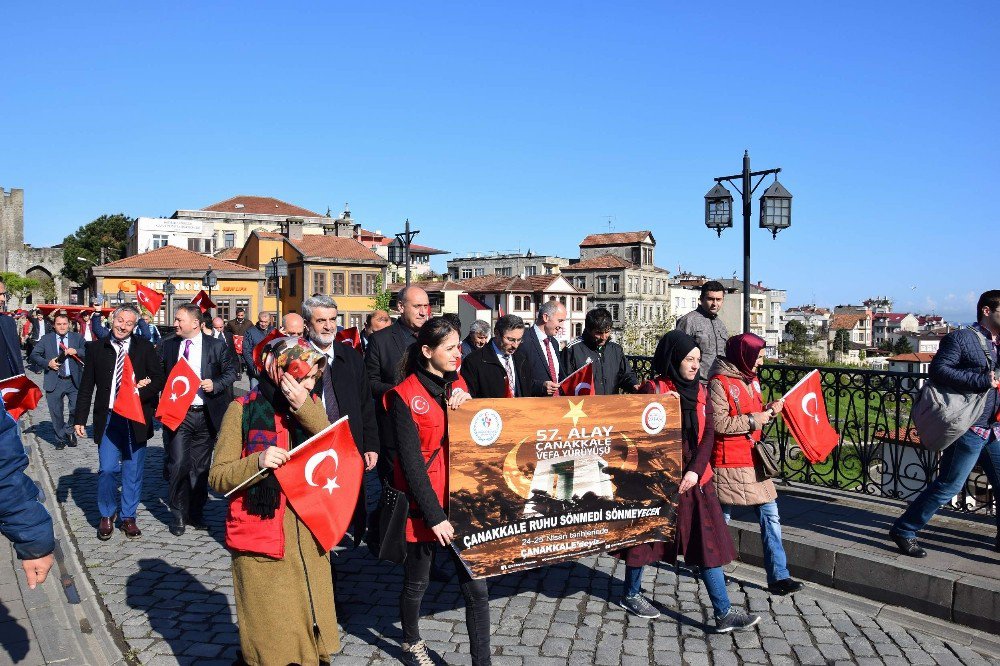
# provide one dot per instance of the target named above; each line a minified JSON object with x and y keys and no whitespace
{"x":121,"y":443}
{"x":493,"y":370}
{"x":39,"y":327}
{"x":10,"y":347}
{"x":62,"y":354}
{"x":479,"y":335}
{"x":345,"y":390}
{"x":375,"y":321}
{"x":253,"y":336}
{"x":541,"y":350}
{"x":386,"y":348}
{"x":189,"y":447}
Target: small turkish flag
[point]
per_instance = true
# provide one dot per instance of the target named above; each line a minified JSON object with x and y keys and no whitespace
{"x":350,"y":336}
{"x":580,"y":382}
{"x":181,"y":388}
{"x":127,"y":402}
{"x":20,"y":395}
{"x":322,"y":481}
{"x":238,"y":344}
{"x":805,"y":415}
{"x":148,"y":297}
{"x":203,"y":302}
{"x":259,"y":348}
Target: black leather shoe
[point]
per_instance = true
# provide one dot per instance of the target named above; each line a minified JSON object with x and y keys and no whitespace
{"x":177,"y":525}
{"x":908,"y":546}
{"x":72,"y":439}
{"x":197,"y":523}
{"x":785,"y":586}
{"x":60,"y":445}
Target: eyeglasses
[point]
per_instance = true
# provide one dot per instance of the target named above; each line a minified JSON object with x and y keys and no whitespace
{"x":512,"y":341}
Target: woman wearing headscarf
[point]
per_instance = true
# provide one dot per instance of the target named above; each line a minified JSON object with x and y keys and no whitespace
{"x":702,"y":537}
{"x":739,"y":417}
{"x":281,"y":575}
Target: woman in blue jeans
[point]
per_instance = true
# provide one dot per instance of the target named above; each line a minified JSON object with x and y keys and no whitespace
{"x":739,"y":416}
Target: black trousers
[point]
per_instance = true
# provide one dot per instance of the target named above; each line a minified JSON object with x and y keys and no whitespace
{"x":189,"y":455}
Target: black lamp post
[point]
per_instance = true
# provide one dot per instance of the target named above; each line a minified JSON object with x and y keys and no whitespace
{"x":775,"y":214}
{"x":405,"y":238}
{"x":209,"y":280}
{"x":168,"y":291}
{"x":277,"y":268}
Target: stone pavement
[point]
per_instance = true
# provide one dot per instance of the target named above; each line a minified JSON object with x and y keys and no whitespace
{"x":171,"y":601}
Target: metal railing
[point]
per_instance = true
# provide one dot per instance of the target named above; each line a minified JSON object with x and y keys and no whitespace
{"x":879,"y":452}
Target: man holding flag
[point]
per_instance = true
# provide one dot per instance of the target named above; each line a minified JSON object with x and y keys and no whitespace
{"x":123,"y":415}
{"x":61,"y":353}
{"x":612,"y":372}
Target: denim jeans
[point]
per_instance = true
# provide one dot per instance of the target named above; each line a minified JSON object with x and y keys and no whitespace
{"x":715,"y":583}
{"x":416,"y":575}
{"x":119,"y":455}
{"x":633,"y":581}
{"x":775,"y":561}
{"x":956,"y":463}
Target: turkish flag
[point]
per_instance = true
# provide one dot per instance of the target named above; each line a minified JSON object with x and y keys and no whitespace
{"x":238,"y":344}
{"x":259,"y":348}
{"x":203,"y":302}
{"x":178,"y":394}
{"x":127,"y":402}
{"x":350,"y":336}
{"x":20,"y":395}
{"x":580,"y":382}
{"x":322,"y":481}
{"x":805,"y":415}
{"x":148,"y":297}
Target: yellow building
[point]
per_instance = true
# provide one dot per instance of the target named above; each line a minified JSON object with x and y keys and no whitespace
{"x":238,"y":286}
{"x":337,"y":266}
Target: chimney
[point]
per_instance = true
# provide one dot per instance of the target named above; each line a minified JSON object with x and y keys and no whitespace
{"x":293,"y":228}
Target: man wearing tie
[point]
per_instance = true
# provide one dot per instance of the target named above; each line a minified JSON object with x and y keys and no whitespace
{"x":189,"y":448}
{"x":39,"y":327}
{"x":494,"y":370}
{"x":121,"y":443}
{"x":541,"y":350}
{"x":61,"y":353}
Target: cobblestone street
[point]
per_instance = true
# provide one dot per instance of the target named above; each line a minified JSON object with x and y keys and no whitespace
{"x":172,"y":600}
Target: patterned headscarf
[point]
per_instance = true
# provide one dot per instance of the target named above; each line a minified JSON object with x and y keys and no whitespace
{"x":293,"y":355}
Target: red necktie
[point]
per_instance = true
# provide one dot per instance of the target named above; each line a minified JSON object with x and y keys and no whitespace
{"x":552,"y":362}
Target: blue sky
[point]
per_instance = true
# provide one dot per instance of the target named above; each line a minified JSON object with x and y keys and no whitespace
{"x":506,"y":126}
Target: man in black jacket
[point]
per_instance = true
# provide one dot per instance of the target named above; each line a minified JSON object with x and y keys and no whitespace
{"x":189,"y":448}
{"x":121,"y":443}
{"x":612,"y":371}
{"x":494,"y":370}
{"x":10,"y":341}
{"x":541,"y":350}
{"x":39,"y":327}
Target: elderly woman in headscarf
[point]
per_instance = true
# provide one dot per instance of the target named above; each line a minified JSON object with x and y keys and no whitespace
{"x":281,"y":575}
{"x":739,"y":416}
{"x":701,"y":538}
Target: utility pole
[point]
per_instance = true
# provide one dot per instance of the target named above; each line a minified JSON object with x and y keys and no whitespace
{"x":405,"y":239}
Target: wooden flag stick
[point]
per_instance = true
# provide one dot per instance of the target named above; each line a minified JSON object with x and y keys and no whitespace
{"x":291,"y":453}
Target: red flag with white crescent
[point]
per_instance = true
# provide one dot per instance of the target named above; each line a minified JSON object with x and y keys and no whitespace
{"x":350,"y":336}
{"x":322,"y":481}
{"x":127,"y":402}
{"x":238,"y":344}
{"x":805,"y":415}
{"x":19,"y":395}
{"x":580,"y":382}
{"x":203,"y":302}
{"x":148,"y":297}
{"x":178,"y":394}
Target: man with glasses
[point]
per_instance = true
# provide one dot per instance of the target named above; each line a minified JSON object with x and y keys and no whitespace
{"x":494,"y":370}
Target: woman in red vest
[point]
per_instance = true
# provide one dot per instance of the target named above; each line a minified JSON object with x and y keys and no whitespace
{"x":281,"y":575}
{"x":417,"y":408}
{"x":739,"y":416}
{"x":702,"y":537}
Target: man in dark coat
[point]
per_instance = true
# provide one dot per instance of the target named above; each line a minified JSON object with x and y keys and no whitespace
{"x":10,"y":341}
{"x":479,"y":335}
{"x":189,"y":448}
{"x":121,"y":443}
{"x":494,"y":370}
{"x":62,"y":353}
{"x":40,"y":325}
{"x":541,"y":350}
{"x":612,"y":371}
{"x":251,"y":338}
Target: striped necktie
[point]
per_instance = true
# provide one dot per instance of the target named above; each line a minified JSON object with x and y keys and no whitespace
{"x":119,"y":364}
{"x":62,"y":348}
{"x":510,"y":374}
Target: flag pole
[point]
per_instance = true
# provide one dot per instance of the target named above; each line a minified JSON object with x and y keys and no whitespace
{"x":291,"y":453}
{"x":800,"y":382}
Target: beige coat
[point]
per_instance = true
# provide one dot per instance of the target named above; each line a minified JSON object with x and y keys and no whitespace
{"x":277,"y":601}
{"x":735,"y":485}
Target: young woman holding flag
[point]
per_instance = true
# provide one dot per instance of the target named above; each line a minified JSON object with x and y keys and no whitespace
{"x":418,"y":410}
{"x":281,"y":575}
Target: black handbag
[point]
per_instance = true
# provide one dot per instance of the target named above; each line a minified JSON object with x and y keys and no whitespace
{"x":393,"y":514}
{"x":766,"y":462}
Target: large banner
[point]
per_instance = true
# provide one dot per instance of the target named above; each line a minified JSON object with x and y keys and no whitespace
{"x":535,"y":481}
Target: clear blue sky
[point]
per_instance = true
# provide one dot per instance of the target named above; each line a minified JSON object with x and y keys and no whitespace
{"x":505,"y":126}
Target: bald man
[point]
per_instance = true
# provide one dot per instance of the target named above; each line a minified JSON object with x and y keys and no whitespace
{"x":375,"y":321}
{"x":293,"y":324}
{"x":254,"y":335}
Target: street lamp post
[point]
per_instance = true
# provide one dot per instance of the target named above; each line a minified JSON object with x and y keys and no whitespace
{"x":121,"y":297}
{"x":277,"y":268}
{"x":209,"y":280}
{"x":775,"y":214}
{"x":168,"y":291}
{"x":405,"y":238}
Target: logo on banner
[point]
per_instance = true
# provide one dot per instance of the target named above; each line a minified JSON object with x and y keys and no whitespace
{"x":485,"y":427}
{"x":419,"y":405}
{"x":654,"y":418}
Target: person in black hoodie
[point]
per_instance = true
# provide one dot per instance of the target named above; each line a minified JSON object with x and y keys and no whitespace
{"x":612,"y":371}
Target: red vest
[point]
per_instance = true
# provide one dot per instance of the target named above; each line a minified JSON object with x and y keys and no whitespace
{"x":665,"y":386}
{"x":734,"y":450}
{"x":432,"y":427}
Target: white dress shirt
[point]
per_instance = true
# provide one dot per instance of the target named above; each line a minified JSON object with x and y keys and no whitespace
{"x":194,"y":359}
{"x":507,"y":361}
{"x":555,"y":350}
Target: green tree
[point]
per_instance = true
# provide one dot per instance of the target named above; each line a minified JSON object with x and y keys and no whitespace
{"x":797,"y":348}
{"x":48,"y":288}
{"x":902,"y":346}
{"x":107,"y":231}
{"x":18,"y":286}
{"x":841,"y":340}
{"x":382,"y":297}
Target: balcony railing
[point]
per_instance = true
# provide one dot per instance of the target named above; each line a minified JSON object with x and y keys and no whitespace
{"x":879,"y":452}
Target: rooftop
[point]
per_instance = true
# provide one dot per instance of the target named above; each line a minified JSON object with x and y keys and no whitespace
{"x":920,"y":357}
{"x":606,"y":261}
{"x":334,"y":247}
{"x":251,"y":205}
{"x":170,"y":257}
{"x":623,"y":238}
{"x":846,"y":321}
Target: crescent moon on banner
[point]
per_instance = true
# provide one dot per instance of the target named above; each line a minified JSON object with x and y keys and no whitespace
{"x":631,"y":462}
{"x":580,"y":387}
{"x":314,"y":462}
{"x":512,"y":474}
{"x":187,"y":385}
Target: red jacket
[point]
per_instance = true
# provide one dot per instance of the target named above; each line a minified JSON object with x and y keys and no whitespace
{"x":735,"y":450}
{"x":665,"y":386}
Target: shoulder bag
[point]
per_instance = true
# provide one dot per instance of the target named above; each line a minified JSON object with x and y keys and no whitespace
{"x":393,"y":514}
{"x":763,"y":452}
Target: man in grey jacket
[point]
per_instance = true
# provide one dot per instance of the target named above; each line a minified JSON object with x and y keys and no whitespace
{"x":704,"y":325}
{"x":612,"y":371}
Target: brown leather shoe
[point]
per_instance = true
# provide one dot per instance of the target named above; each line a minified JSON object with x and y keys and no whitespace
{"x":106,"y":528}
{"x":130,"y":529}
